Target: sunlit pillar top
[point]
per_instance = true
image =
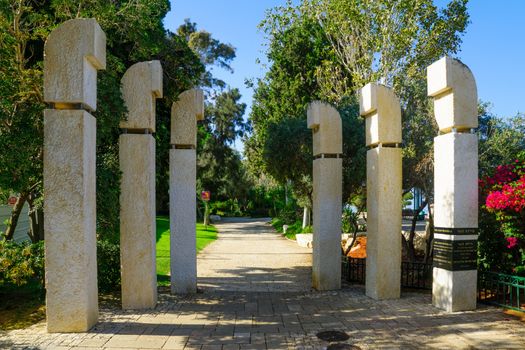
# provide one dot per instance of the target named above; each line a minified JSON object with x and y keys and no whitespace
{"x":184,"y":116}
{"x":379,"y":105}
{"x":73,"y":53}
{"x":453,"y":87}
{"x":141,"y":86}
{"x":325,"y":122}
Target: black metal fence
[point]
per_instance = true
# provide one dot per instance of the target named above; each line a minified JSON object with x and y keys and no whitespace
{"x":413,"y":275}
{"x":494,"y":288}
{"x":353,"y":269}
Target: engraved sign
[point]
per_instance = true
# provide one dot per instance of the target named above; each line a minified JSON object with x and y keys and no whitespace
{"x":455,"y":255}
{"x":456,"y":231}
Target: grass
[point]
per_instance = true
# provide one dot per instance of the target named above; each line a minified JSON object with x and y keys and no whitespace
{"x":204,"y":237}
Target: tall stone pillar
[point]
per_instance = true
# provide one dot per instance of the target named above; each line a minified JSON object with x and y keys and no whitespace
{"x":73,"y":53}
{"x":380,"y":108}
{"x":453,"y":87}
{"x":183,"y":172}
{"x":141,"y":86}
{"x":325,"y":122}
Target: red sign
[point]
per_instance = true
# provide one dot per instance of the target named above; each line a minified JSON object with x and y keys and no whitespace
{"x":12,"y":200}
{"x":205,"y":195}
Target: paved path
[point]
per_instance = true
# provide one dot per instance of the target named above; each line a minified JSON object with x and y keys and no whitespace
{"x":244,"y":318}
{"x":250,"y":256}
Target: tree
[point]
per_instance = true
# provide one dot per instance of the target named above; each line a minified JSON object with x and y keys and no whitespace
{"x":219,"y":167}
{"x":211,"y":52}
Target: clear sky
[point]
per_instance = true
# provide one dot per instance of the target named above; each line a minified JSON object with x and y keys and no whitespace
{"x":493,"y":47}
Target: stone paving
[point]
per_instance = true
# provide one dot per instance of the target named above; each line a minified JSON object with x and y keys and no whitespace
{"x":246,"y":319}
{"x":250,"y":256}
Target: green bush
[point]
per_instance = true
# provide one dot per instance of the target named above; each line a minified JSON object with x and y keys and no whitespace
{"x":228,"y":207}
{"x":21,"y":263}
{"x":308,"y":229}
{"x":108,"y":264}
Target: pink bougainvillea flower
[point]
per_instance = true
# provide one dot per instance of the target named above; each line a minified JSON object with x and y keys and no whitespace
{"x":512,"y":242}
{"x":497,"y":200}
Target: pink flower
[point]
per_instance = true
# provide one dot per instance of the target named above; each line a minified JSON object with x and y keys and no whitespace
{"x":512,"y":242}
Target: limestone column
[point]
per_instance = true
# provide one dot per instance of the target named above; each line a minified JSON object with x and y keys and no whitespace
{"x":141,"y":86}
{"x":453,"y":87}
{"x":325,"y":122}
{"x":183,"y":172}
{"x":381,"y":110}
{"x":73,"y":53}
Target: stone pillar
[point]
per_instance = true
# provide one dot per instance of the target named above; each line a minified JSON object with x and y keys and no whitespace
{"x":453,"y":87}
{"x":74,"y":52}
{"x":183,"y":171}
{"x":141,"y":86}
{"x":325,"y":122}
{"x":380,"y":108}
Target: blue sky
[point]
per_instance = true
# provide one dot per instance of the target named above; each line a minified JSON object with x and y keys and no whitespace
{"x":493,"y":47}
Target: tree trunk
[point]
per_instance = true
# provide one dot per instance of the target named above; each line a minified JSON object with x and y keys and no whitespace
{"x":306,"y":217}
{"x":430,"y":238}
{"x":36,"y":220}
{"x":206,"y":214}
{"x":411,"y":252}
{"x":15,"y":215}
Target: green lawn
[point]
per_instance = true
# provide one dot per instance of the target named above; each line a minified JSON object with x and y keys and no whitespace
{"x":204,"y":237}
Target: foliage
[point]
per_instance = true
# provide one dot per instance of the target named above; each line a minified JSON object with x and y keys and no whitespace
{"x":108,"y":265}
{"x":292,"y":230}
{"x":392,"y":42}
{"x":500,"y":139}
{"x":229,"y":208}
{"x":210,"y":51}
{"x":503,"y":196}
{"x":21,"y":263}
{"x":265,"y":199}
{"x":351,"y":220}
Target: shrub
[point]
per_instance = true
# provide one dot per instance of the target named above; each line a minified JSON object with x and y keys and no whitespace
{"x":108,"y":264}
{"x":21,"y":263}
{"x":502,"y":219}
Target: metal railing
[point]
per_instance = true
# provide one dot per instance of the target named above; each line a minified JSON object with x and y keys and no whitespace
{"x":416,"y":275}
{"x":354,"y":269}
{"x":413,"y":275}
{"x":499,"y":289}
{"x":503,"y":290}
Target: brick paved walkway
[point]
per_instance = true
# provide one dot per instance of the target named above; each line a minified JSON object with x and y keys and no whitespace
{"x":250,"y":256}
{"x":248,"y":319}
